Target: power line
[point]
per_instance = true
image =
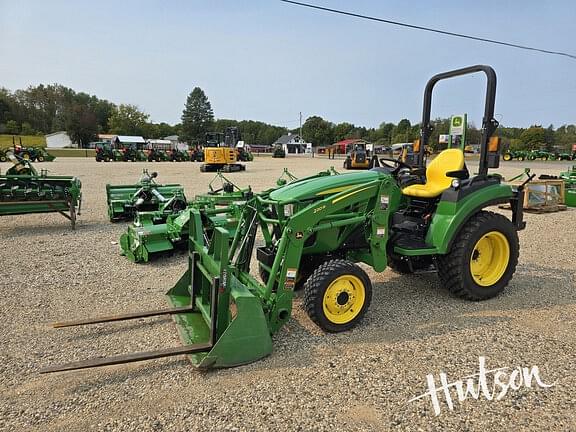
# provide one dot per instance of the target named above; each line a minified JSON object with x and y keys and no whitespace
{"x":447,"y":33}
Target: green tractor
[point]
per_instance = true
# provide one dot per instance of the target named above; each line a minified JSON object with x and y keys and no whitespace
{"x":195,"y":154}
{"x":176,"y":155}
{"x":313,"y":232}
{"x":515,"y":154}
{"x":104,"y":152}
{"x":539,"y":154}
{"x":33,"y":154}
{"x":278,"y":151}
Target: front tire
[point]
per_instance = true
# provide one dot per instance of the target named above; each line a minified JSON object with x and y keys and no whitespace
{"x":482,"y":259}
{"x":337,"y":295}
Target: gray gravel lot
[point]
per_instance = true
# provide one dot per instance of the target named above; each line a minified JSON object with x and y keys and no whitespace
{"x":360,"y":380}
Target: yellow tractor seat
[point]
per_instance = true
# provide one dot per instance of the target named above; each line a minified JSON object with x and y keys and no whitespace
{"x":436,"y":179}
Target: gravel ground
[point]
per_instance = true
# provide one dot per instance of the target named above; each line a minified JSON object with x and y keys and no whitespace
{"x":360,"y":380}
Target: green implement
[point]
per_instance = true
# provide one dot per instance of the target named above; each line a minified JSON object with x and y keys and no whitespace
{"x":23,"y":191}
{"x":163,"y":230}
{"x":313,"y":232}
{"x":146,"y":195}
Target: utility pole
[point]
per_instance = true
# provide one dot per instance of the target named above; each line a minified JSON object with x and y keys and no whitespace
{"x":301,"y":137}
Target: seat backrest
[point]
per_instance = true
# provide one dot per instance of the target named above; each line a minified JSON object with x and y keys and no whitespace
{"x":448,"y":160}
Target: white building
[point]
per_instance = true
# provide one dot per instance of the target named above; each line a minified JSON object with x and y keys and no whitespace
{"x":291,"y":143}
{"x":58,"y":140}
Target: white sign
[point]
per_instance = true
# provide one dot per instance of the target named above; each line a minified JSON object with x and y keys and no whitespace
{"x":443,"y":139}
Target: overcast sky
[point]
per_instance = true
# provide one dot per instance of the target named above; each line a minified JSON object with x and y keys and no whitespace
{"x":266,"y":60}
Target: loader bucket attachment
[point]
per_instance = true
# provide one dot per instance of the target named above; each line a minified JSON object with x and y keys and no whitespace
{"x":234,"y":316}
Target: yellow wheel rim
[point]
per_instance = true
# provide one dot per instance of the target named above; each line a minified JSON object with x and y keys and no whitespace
{"x":343,"y":299}
{"x":26,"y":156}
{"x":507,"y":157}
{"x":489,"y":259}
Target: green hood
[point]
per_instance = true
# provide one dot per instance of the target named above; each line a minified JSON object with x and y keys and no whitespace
{"x":315,"y":187}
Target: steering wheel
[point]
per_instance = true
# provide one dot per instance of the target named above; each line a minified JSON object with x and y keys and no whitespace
{"x":397,"y":164}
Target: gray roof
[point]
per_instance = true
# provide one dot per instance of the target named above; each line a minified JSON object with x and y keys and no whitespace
{"x":129,"y":139}
{"x":286,"y":138}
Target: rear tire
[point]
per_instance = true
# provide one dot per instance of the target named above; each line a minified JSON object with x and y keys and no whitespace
{"x":463,"y":270}
{"x":337,"y":295}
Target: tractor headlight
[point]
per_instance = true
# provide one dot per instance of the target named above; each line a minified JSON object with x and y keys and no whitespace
{"x":288,"y":210}
{"x":455,"y":183}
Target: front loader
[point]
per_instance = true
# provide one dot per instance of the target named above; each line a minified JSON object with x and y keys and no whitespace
{"x":312,"y":233}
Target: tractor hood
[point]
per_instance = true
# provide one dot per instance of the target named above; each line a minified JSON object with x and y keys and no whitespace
{"x":314,"y":187}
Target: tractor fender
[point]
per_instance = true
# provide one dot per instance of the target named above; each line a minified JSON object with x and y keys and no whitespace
{"x":451,"y":216}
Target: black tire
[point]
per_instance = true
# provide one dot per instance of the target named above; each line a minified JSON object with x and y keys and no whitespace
{"x":321,"y":281}
{"x":40,"y":158}
{"x":454,"y":268}
{"x":521,"y":158}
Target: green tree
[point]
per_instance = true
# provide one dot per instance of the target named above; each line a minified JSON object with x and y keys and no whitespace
{"x":533,"y":138}
{"x":81,"y":125}
{"x":403,"y":132}
{"x":343,"y":131}
{"x":197,"y":117}
{"x":318,"y":131}
{"x":27,"y":129}
{"x":12,"y":127}
{"x":128,"y":120}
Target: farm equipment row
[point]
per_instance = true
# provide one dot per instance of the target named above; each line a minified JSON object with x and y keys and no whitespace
{"x":537,"y":154}
{"x":106,"y":152}
{"x":24,"y":191}
{"x":313,"y":232}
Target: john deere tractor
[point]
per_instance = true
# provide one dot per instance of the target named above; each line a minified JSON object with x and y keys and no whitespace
{"x":312,"y":234}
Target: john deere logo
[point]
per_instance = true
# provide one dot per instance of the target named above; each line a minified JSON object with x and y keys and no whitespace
{"x":457,"y":121}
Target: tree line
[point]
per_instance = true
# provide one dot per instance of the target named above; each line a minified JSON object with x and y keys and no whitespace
{"x":44,"y":109}
{"x":322,"y":133}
